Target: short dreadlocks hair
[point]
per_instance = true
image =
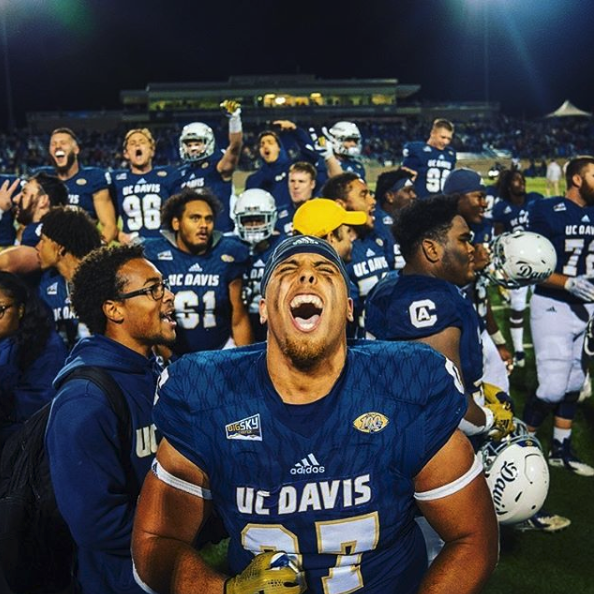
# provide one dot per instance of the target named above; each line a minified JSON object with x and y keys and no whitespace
{"x":175,"y":205}
{"x":72,"y":228}
{"x":96,"y":281}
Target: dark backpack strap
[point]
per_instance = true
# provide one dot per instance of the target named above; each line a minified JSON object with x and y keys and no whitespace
{"x":118,"y":403}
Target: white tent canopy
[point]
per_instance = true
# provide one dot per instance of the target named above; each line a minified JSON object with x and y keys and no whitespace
{"x":566,"y":110}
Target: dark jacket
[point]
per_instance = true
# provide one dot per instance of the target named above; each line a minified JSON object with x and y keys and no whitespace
{"x":87,"y":474}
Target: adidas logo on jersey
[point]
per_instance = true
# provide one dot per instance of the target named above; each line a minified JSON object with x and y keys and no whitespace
{"x":141,"y":181}
{"x":259,"y":264}
{"x":195,"y":268}
{"x":165,"y":255}
{"x":52,"y":289}
{"x":585,"y":219}
{"x":308,"y":465}
{"x":507,"y":210}
{"x":369,"y":253}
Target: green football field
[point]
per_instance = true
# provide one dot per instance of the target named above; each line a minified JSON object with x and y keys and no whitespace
{"x":530,"y":562}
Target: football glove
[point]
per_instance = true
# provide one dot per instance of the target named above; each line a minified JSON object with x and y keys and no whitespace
{"x":501,"y":405}
{"x":268,"y":573}
{"x":230,"y":107}
{"x":322,"y":145}
{"x":581,"y":287}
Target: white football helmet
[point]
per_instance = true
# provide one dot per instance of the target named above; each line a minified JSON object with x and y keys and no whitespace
{"x":196,"y":131}
{"x":255,"y":215}
{"x":342,"y":131}
{"x":517,"y":475}
{"x":520,"y":259}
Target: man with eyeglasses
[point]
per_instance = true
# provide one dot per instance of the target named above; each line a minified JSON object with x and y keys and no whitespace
{"x":126,"y":304}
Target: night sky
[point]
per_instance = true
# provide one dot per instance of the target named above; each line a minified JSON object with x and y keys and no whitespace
{"x":78,"y":54}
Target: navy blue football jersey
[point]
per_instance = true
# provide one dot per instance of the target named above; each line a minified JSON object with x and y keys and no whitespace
{"x":204,"y":174}
{"x":432,"y":166}
{"x":413,"y":306}
{"x":330,"y":482}
{"x":351,"y":165}
{"x":7,"y":229}
{"x":139,"y":197}
{"x":370,"y":262}
{"x":570,"y":228}
{"x":482,"y":232}
{"x":55,"y":293}
{"x":512,"y":216}
{"x":383,"y":226}
{"x":200,"y":284}
{"x":253,"y":276}
{"x":284,"y":221}
{"x":83,"y":185}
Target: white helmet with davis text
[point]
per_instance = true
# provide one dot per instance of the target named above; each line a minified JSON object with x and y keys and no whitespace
{"x":517,"y":475}
{"x":521,"y":258}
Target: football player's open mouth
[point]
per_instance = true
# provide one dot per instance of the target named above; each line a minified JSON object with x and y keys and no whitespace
{"x":59,"y":154}
{"x":169,"y":317}
{"x":306,"y":311}
{"x":139,"y":152}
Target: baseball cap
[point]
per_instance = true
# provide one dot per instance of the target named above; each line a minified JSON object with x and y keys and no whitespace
{"x":301,"y":244}
{"x":463,"y":181}
{"x":321,"y":216}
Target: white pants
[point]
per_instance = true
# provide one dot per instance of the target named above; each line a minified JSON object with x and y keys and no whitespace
{"x":558,"y":335}
{"x":494,"y":368}
{"x":518,"y":298}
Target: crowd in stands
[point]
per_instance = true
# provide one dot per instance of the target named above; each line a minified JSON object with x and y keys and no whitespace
{"x":537,"y":139}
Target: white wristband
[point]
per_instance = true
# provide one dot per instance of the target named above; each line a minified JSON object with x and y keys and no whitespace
{"x":498,"y":338}
{"x":235,"y":124}
{"x":469,"y":428}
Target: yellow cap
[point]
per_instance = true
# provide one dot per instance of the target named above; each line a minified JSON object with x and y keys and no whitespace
{"x":321,"y":216}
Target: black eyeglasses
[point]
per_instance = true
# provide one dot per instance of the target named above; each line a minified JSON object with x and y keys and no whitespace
{"x":156,"y":291}
{"x":3,"y":309}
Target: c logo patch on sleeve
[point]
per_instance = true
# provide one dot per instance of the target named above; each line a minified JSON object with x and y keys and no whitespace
{"x":422,"y":313}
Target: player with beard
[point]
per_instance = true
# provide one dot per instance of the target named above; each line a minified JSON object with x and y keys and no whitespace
{"x":205,"y":270}
{"x":140,"y":191}
{"x":560,"y":308}
{"x":423,"y":302}
{"x":8,"y":187}
{"x":38,"y":195}
{"x":373,"y":255}
{"x":88,"y":187}
{"x":432,"y":161}
{"x":332,"y":450}
{"x":511,"y":214}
